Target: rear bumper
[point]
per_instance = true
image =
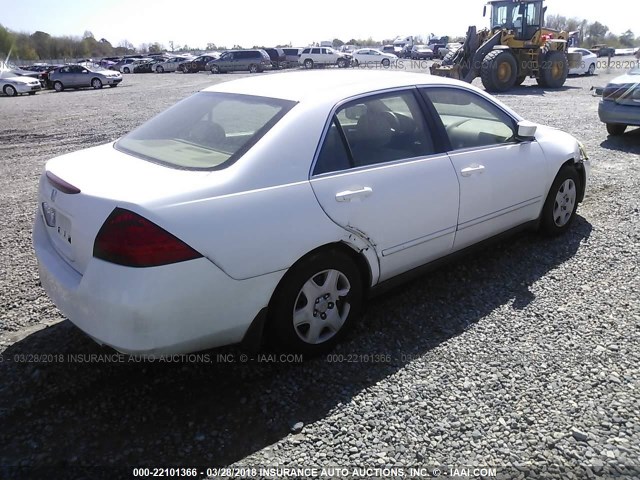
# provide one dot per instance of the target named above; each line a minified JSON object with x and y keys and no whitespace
{"x":611,"y":112}
{"x":173,"y":309}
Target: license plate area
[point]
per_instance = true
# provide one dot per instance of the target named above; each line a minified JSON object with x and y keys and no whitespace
{"x":60,"y":230}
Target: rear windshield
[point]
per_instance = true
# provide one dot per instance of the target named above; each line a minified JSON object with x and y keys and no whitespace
{"x":205,"y":131}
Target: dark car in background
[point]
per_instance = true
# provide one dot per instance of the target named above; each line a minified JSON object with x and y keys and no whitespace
{"x":254,"y":61}
{"x":278,"y":57}
{"x":147,"y":66}
{"x":292,"y":55}
{"x":198,"y":64}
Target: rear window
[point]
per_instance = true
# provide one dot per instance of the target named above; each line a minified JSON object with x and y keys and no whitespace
{"x":206,"y":131}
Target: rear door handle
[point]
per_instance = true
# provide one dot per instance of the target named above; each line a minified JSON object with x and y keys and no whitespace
{"x":349,"y":195}
{"x":471,"y":169}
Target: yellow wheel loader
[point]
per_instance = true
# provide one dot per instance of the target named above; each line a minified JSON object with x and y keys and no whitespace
{"x":516,"y":46}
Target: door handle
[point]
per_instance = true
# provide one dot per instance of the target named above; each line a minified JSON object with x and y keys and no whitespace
{"x":349,"y":195}
{"x":471,"y":169}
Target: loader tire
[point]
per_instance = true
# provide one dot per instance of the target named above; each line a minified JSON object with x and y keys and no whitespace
{"x":499,"y":71}
{"x":554,"y":69}
{"x":448,"y":58}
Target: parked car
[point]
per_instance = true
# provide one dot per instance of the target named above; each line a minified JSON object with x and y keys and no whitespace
{"x":254,"y":61}
{"x":77,"y":76}
{"x":131,"y":67}
{"x":197,"y":64}
{"x":269,"y":207}
{"x":278,"y":58}
{"x":120,"y":63}
{"x":293,"y":55}
{"x":170,"y":65}
{"x":602,"y":50}
{"x":311,"y":57}
{"x":588,"y":64}
{"x":47,"y":83}
{"x":12,"y":85}
{"x":620,"y":104}
{"x":373,"y":57}
{"x":147,"y":66}
{"x":421,"y":52}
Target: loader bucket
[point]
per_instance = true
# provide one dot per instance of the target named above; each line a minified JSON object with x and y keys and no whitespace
{"x":449,"y":71}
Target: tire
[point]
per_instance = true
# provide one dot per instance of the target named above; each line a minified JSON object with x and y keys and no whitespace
{"x":386,"y":63}
{"x":356,"y":63}
{"x":499,"y":71}
{"x":215,"y":69}
{"x":253,"y":68}
{"x":324,"y":294}
{"x":159,"y":69}
{"x":448,"y":58}
{"x":308,"y":64}
{"x":559,"y":209}
{"x":555,"y":69}
{"x":96,"y":83}
{"x":342,"y":63}
{"x":57,"y":86}
{"x":592,"y":69}
{"x":10,"y":91}
{"x":126,"y":70}
{"x":615,"y":129}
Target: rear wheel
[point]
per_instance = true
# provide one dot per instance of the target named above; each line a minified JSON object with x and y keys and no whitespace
{"x":316,"y":302}
{"x":386,"y":62}
{"x":96,"y":83}
{"x":308,"y":64}
{"x":126,"y":70}
{"x":499,"y":71}
{"x":592,"y":69}
{"x":342,"y":63}
{"x":10,"y":91}
{"x":215,"y":69}
{"x":616,"y":129}
{"x":159,"y":69}
{"x":554,"y":69}
{"x":561,"y":203}
{"x":57,"y":86}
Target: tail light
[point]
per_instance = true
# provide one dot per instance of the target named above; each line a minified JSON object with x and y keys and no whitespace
{"x":129,"y":239}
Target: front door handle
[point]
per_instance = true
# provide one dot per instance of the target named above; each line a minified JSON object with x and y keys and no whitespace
{"x":471,"y":169}
{"x":349,"y":195}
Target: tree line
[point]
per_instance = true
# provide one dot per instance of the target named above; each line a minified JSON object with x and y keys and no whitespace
{"x":42,"y":46}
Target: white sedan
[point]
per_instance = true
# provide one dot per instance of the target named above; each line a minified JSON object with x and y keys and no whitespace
{"x":270,"y":208}
{"x":365,"y":57}
{"x":588,"y":63}
{"x":14,"y":85}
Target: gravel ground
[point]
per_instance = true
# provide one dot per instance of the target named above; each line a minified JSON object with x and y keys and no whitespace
{"x":523,"y":358}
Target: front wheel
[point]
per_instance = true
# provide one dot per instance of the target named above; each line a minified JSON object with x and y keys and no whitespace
{"x":554,"y":70}
{"x":57,"y":86}
{"x":253,"y":68}
{"x":499,"y":71}
{"x":215,"y":69}
{"x":615,"y":129}
{"x":126,"y":70}
{"x":316,"y":302}
{"x":10,"y":91}
{"x":592,"y":69}
{"x":159,"y":69}
{"x":386,"y":63}
{"x":96,"y":83}
{"x":342,"y":63}
{"x":559,"y":209}
{"x":308,"y":64}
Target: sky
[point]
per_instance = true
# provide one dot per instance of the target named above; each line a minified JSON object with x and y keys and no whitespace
{"x":248,"y":22}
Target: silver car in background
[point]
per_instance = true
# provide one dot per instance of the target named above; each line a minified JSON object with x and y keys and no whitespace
{"x":620,"y":104}
{"x":77,"y":76}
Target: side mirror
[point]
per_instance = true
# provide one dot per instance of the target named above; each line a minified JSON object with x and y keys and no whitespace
{"x":484,"y":11}
{"x":526,"y":131}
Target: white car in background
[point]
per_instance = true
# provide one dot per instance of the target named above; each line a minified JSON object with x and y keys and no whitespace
{"x":311,"y":57}
{"x":272,"y":207}
{"x":14,"y":85}
{"x":171,"y":65}
{"x":373,"y":57}
{"x":588,"y":64}
{"x":130,"y":67}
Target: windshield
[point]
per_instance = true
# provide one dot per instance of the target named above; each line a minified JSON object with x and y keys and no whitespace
{"x":205,"y":131}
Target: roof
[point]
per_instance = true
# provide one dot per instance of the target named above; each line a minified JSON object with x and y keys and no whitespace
{"x":330,"y":83}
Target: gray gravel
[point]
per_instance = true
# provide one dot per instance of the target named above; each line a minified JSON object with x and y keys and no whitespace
{"x":523,"y":357}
